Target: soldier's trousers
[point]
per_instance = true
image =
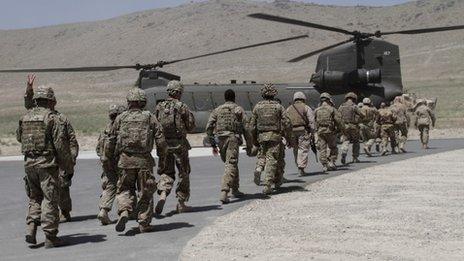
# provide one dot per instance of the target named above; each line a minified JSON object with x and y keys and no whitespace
{"x":109,"y":181}
{"x":65,"y":202}
{"x":280,"y":165}
{"x":401,"y":134}
{"x":387,"y":132}
{"x":272,"y":151}
{"x":229,"y":151}
{"x":350,"y":135}
{"x":144,"y":182}
{"x":302,"y":144}
{"x":368,"y":136}
{"x":327,"y":146}
{"x":424,"y":133}
{"x":168,"y":161}
{"x":42,"y":188}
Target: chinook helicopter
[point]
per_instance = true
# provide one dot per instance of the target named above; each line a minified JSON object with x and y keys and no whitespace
{"x":362,"y":64}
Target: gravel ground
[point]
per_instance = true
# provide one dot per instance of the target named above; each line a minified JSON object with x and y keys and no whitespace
{"x":407,"y":210}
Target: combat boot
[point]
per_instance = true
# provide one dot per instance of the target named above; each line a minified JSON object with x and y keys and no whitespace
{"x":160,"y":205}
{"x":301,"y":172}
{"x":332,"y":166}
{"x":182,"y":208}
{"x":53,"y":241}
{"x":65,"y":216}
{"x":368,"y":153}
{"x":257,"y":176}
{"x":403,"y":150}
{"x":343,"y":160}
{"x":123,"y":218}
{"x":237,"y":193}
{"x":31,"y":233}
{"x":325,"y":168}
{"x":224,"y":197}
{"x":103,"y":217}
{"x":384,"y":152}
{"x":267,"y":189}
{"x":356,"y":160}
{"x":144,"y":228}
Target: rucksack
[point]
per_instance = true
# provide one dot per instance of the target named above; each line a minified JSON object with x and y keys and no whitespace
{"x":135,"y":133}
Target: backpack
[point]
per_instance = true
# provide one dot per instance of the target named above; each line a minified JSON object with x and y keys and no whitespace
{"x":269,"y":117}
{"x":170,"y":119}
{"x":135,"y":133}
{"x":324,"y":117}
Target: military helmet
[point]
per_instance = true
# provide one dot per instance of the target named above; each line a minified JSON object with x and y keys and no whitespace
{"x":367,"y":101}
{"x":268,"y":90}
{"x":351,"y":95}
{"x":299,"y":96}
{"x":121,"y":109}
{"x":325,"y":96}
{"x":398,"y":99}
{"x":113,"y":109}
{"x":383,"y":105}
{"x":44,"y":92}
{"x":136,"y":94}
{"x":175,"y":87}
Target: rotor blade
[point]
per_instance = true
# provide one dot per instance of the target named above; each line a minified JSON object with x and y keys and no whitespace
{"x":298,"y":22}
{"x":238,"y":48}
{"x":426,"y":30}
{"x":72,"y":69}
{"x":304,"y":56}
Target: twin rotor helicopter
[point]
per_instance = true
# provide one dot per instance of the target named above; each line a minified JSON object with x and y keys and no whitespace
{"x":364,"y":64}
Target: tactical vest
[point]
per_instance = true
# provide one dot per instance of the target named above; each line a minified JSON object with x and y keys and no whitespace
{"x":35,"y":134}
{"x":369,"y":115}
{"x":296,"y":116}
{"x":385,"y":116}
{"x":347,"y":111}
{"x":135,"y":132}
{"x":399,"y":113}
{"x":269,"y":116}
{"x":170,"y":117}
{"x":423,"y":116}
{"x":325,"y":117}
{"x":226,"y":118}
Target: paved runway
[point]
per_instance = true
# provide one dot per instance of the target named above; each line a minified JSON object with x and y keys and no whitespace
{"x":87,"y":240}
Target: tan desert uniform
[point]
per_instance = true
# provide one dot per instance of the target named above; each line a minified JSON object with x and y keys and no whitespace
{"x":401,"y":123}
{"x":270,"y":123}
{"x":226,"y":123}
{"x":424,"y":118}
{"x":387,"y":131}
{"x":132,"y":139}
{"x":302,"y":119}
{"x":72,"y":146}
{"x":328,"y":121}
{"x":40,"y":135}
{"x":367,"y":126}
{"x":176,"y":120}
{"x":350,"y":115}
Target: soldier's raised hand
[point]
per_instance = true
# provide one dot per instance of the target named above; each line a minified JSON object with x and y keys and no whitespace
{"x":30,"y":82}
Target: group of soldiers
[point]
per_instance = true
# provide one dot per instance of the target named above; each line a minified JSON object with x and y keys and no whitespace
{"x":50,"y":149}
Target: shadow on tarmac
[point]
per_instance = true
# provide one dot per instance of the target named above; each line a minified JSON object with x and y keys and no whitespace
{"x":158,"y":228}
{"x":76,"y":239}
{"x":83,"y":218}
{"x":192,"y":210}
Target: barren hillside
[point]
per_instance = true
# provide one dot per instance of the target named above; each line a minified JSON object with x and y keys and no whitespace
{"x":192,"y":29}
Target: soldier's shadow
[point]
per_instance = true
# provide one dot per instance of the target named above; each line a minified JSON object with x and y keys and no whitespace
{"x":158,"y":228}
{"x":83,"y":218}
{"x":249,"y":197}
{"x":193,"y":209}
{"x":289,"y":189}
{"x":76,"y":239}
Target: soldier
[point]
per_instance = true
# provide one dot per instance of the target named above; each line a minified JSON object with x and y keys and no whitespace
{"x":176,"y":120}
{"x":131,"y":140}
{"x":424,"y":117}
{"x":302,"y":119}
{"x":385,"y":121}
{"x":69,"y":136}
{"x":270,"y":124}
{"x":401,"y":124}
{"x":351,"y":115}
{"x":367,"y":126}
{"x":226,"y":122}
{"x":327,"y":121}
{"x":44,"y":153}
{"x":110,"y":173}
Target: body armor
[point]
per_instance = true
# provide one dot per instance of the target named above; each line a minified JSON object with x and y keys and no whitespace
{"x":269,"y":116}
{"x":35,"y":138}
{"x":135,"y":132}
{"x":227,"y":119}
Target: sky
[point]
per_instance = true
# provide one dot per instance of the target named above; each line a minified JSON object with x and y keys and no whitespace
{"x":17,"y":14}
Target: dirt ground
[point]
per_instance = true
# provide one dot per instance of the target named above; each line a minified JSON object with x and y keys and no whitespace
{"x":407,"y":210}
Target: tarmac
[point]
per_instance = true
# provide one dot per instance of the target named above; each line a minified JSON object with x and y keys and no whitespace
{"x":87,"y":240}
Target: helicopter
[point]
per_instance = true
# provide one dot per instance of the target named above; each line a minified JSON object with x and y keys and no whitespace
{"x":362,"y":64}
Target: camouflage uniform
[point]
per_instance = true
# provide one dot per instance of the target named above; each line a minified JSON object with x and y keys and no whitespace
{"x":327,"y":121}
{"x":40,"y":135}
{"x":351,"y":115}
{"x":110,"y":174}
{"x":71,"y":146}
{"x":226,"y":123}
{"x":424,"y":118}
{"x":131,"y":140}
{"x":367,"y":126}
{"x":270,"y":123}
{"x":387,"y":131}
{"x":302,"y":119}
{"x":401,"y":123}
{"x":176,"y":120}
